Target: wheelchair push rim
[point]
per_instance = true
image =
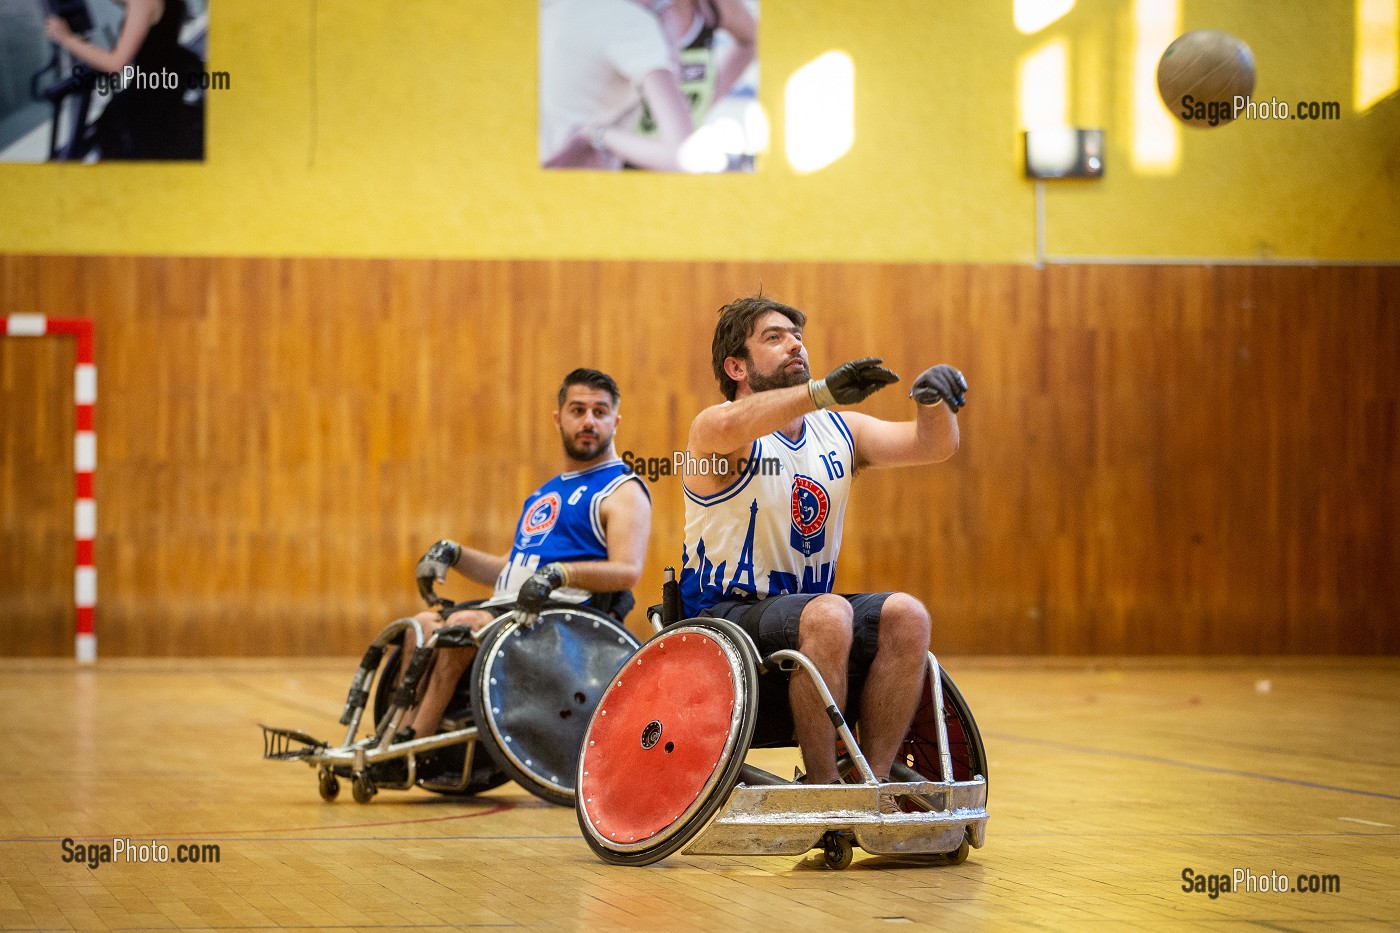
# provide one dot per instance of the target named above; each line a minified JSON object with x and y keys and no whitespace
{"x":667,"y":742}
{"x":534,"y":689}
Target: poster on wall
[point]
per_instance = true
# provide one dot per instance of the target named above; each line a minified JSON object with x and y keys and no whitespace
{"x":102,"y":80}
{"x":652,"y":85}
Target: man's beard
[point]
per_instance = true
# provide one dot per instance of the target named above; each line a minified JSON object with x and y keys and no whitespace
{"x":783,"y":378}
{"x":599,"y":444}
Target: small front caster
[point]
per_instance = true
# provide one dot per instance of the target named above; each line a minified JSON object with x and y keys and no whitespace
{"x":362,"y":787}
{"x":328,"y":785}
{"x":836,"y":850}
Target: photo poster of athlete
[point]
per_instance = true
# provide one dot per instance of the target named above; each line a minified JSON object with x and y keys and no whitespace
{"x":655,"y":85}
{"x":101,"y":81}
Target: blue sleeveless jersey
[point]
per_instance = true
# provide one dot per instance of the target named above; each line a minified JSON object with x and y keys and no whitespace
{"x":561,"y":521}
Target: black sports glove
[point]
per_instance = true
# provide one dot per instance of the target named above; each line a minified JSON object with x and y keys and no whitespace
{"x":440,"y":558}
{"x":535,"y":591}
{"x":941,"y":383}
{"x":850,"y":383}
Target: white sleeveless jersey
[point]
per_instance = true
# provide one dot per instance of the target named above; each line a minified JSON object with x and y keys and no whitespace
{"x":777,"y":528}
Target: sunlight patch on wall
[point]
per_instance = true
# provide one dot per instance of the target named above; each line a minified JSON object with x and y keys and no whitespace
{"x":1042,"y":80}
{"x":1034,"y":15}
{"x":820,"y":105}
{"x":1377,"y":55}
{"x":1156,"y":146}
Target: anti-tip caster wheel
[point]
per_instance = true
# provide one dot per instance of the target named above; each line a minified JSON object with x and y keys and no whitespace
{"x":958,"y":855}
{"x":836,"y":850}
{"x":328,"y":785}
{"x":362,"y":787}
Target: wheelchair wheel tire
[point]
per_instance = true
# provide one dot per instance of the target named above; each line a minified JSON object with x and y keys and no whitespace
{"x":666,"y":744}
{"x":918,"y":758}
{"x":965,"y":749}
{"x":534,"y":690}
{"x":485,"y":773}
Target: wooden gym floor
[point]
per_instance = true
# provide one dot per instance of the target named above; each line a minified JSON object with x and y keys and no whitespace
{"x":1108,"y":779}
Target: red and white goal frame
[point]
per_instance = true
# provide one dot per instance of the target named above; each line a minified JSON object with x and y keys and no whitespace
{"x":84,"y":464}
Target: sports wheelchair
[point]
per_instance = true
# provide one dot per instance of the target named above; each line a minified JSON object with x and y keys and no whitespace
{"x":527,"y":699}
{"x":662,"y":769}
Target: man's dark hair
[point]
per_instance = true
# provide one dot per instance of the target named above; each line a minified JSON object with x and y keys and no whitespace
{"x":736,"y":323}
{"x":592,"y":378}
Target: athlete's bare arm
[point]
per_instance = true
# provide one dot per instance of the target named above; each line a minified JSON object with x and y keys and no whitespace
{"x":661,"y":90}
{"x":931,"y":437}
{"x":141,"y":15}
{"x":729,"y":428}
{"x":728,"y":431}
{"x":735,"y":19}
{"x":448,"y":555}
{"x":480,"y":566}
{"x":626,"y":518}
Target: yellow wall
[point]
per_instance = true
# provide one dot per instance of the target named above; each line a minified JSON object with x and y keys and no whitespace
{"x":414,"y":135}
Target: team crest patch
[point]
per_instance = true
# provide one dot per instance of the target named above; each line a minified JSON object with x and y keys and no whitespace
{"x":539,"y":520}
{"x":810,"y":507}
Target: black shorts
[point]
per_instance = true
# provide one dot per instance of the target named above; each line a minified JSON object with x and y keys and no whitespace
{"x":772,"y":623}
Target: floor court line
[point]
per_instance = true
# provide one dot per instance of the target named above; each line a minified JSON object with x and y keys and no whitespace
{"x":183,"y":755}
{"x":342,"y":926}
{"x":499,"y":808}
{"x":1194,"y":766}
{"x":176,"y":837}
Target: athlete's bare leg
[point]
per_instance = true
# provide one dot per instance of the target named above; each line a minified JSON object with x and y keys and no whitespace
{"x":894,"y":681}
{"x":824,"y":636}
{"x":448,"y":666}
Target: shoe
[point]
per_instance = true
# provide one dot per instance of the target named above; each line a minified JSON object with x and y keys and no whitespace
{"x":889,"y":803}
{"x":393,"y":771}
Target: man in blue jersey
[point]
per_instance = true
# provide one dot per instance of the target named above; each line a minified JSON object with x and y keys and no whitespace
{"x":581,"y":538}
{"x":761,"y":545}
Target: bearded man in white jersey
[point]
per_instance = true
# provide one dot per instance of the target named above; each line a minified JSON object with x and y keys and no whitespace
{"x":761,"y":544}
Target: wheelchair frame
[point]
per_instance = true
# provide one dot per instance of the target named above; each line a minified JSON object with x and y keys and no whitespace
{"x":509,"y":759}
{"x":356,"y":755}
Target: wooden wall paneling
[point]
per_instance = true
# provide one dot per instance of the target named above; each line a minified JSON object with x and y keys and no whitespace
{"x":1155,"y":459}
{"x":36,"y":496}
